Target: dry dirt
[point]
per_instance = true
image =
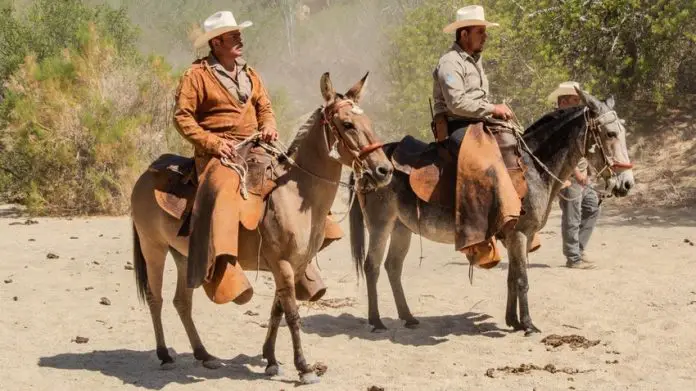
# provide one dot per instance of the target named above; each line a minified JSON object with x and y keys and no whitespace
{"x":58,"y":333}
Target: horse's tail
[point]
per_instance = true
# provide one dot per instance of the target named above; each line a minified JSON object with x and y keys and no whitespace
{"x":357,"y":231}
{"x":139,"y":266}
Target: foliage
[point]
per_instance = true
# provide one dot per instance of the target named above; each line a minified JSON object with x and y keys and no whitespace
{"x":633,"y":49}
{"x":80,"y":124}
{"x":47,"y":26}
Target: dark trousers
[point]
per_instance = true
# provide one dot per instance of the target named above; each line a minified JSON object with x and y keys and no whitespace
{"x":456,"y":130}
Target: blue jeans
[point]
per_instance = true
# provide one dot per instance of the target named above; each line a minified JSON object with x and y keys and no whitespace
{"x":579,"y":216}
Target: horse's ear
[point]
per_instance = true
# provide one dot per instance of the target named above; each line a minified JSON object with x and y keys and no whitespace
{"x":610,"y":102}
{"x":588,"y":99}
{"x":355,"y":92}
{"x":327,"y":90}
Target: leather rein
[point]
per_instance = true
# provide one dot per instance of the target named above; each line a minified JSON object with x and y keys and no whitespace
{"x":594,"y":128}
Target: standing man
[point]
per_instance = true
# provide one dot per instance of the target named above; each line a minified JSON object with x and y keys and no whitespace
{"x":220,"y":101}
{"x":579,"y":202}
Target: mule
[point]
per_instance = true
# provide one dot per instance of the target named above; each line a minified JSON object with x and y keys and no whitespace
{"x":291,"y":230}
{"x":554,"y":146}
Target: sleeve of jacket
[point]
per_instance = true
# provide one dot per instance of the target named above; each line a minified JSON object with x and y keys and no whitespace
{"x":187,"y":100}
{"x":264,"y":112}
{"x":452,"y":81}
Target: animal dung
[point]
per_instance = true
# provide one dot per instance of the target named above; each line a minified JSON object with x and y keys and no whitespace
{"x":575,"y":341}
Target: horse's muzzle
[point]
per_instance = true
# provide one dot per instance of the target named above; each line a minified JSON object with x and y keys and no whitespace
{"x":381,"y":175}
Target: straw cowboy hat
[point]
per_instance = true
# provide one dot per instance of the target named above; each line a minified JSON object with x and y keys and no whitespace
{"x":218,"y":24}
{"x":565,"y":88}
{"x":471,"y":15}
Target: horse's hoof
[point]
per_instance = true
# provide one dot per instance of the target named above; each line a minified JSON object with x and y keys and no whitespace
{"x":309,"y":378}
{"x":213,"y":363}
{"x":377,"y":325}
{"x":273,"y":370}
{"x":531,"y":330}
{"x":379,"y":330}
{"x":167,"y":366}
{"x":412,"y":323}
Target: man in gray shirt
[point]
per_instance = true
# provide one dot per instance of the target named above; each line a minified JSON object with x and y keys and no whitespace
{"x":579,"y":202}
{"x":460,"y":86}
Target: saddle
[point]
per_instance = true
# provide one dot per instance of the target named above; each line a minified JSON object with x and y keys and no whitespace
{"x":176,"y":182}
{"x":432,"y":171}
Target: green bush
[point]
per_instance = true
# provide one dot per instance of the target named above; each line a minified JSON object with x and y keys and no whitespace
{"x":82,"y":124}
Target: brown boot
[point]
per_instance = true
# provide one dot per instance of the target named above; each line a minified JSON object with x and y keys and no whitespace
{"x":484,"y":255}
{"x":229,"y":283}
{"x":310,"y":287}
{"x":332,"y":232}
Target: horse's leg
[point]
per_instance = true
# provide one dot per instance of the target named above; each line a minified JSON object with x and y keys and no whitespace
{"x":155,"y":255}
{"x":285,"y":285}
{"x":183,"y":302}
{"x":273,"y":369}
{"x":398,"y":248}
{"x":379,"y":234}
{"x":518,"y":284}
{"x":511,"y":318}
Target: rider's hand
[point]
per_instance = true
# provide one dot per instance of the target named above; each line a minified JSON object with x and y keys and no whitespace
{"x":226,"y":149}
{"x":269,"y":134}
{"x":502,"y":111}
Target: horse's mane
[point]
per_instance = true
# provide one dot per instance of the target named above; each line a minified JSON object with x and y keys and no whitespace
{"x":306,"y":121}
{"x":558,"y":117}
{"x":543,"y":136}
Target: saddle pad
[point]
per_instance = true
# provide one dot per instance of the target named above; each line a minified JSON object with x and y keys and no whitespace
{"x":434,"y":183}
{"x":173,"y":192}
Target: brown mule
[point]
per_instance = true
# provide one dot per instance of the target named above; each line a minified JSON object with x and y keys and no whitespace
{"x":292,"y":229}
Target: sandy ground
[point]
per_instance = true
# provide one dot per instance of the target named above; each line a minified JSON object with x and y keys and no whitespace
{"x":640,"y":304}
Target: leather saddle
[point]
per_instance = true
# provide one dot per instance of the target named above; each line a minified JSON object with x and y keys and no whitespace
{"x":176,"y":182}
{"x":432,"y":171}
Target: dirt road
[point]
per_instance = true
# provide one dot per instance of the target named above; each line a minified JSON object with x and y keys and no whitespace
{"x":640,"y":305}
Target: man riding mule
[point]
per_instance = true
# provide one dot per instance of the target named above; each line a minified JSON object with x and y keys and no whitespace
{"x":294,"y":191}
{"x":461,"y":97}
{"x":220,"y":102}
{"x":505,"y":179}
{"x":551,"y":148}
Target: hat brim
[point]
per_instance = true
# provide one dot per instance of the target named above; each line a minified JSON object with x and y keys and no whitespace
{"x":562,"y":91}
{"x":452,"y":27}
{"x":203,"y":39}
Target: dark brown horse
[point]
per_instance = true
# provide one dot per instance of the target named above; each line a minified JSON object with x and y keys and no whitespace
{"x":555,"y":145}
{"x":291,"y":230}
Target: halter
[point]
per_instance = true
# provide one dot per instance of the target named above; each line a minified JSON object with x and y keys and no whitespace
{"x":594,"y":128}
{"x":359,"y":154}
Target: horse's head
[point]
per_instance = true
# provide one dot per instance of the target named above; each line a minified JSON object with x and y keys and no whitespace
{"x":349,"y":134}
{"x":605,"y":144}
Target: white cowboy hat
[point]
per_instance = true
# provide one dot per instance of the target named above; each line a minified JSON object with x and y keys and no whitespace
{"x":565,"y":88}
{"x":471,"y":15}
{"x":218,"y":24}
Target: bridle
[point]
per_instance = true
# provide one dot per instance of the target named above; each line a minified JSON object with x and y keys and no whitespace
{"x":593,"y":134}
{"x":358,"y":154}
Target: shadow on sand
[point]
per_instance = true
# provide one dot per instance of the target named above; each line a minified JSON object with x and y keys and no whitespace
{"x":432,"y":330}
{"x":142,"y":368}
